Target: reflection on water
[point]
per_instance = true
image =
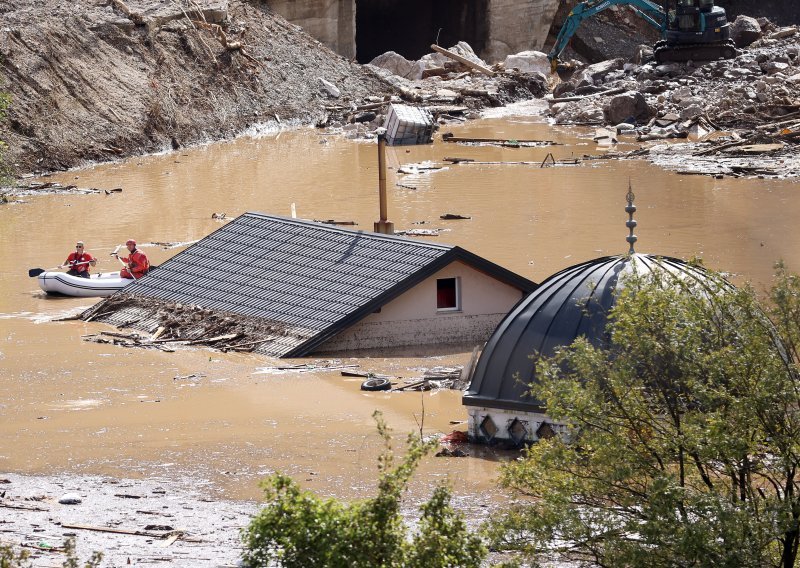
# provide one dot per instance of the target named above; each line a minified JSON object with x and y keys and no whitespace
{"x":138,"y":418}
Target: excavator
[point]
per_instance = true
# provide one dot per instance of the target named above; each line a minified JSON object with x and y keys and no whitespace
{"x":694,"y":30}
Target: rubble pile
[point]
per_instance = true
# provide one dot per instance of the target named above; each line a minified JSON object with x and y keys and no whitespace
{"x":451,"y":90}
{"x":167,"y":324}
{"x":742,"y":107}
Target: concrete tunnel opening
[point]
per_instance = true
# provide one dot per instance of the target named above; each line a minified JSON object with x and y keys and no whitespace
{"x":409,"y":27}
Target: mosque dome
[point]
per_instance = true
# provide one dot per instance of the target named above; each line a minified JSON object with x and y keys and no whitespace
{"x":572,"y":303}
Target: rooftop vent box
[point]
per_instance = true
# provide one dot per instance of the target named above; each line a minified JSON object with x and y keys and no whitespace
{"x":407,"y":125}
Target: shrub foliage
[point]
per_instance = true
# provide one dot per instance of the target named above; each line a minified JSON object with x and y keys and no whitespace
{"x":297,"y":529}
{"x":684,"y":441}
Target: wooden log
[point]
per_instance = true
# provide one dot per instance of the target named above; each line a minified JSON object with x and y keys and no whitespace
{"x":364,"y":375}
{"x":462,"y":60}
{"x":721,"y":147}
{"x":216,"y":338}
{"x":409,"y":386}
{"x":132,"y":532}
{"x":448,"y":137}
{"x":21,"y":507}
{"x":615,"y":91}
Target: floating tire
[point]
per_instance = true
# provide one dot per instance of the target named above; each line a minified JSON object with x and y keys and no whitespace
{"x":376,"y":385}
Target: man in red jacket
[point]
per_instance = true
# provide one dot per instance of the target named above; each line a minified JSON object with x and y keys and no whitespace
{"x":136,"y":264}
{"x":79,"y":261}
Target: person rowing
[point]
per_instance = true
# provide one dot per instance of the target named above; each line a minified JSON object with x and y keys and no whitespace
{"x":79,"y":261}
{"x":136,"y":263}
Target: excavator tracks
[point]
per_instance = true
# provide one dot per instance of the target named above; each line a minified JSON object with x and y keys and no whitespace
{"x":664,"y":53}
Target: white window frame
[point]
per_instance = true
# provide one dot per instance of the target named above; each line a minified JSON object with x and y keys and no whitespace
{"x":457,"y":307}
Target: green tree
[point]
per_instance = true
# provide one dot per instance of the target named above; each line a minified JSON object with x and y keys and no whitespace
{"x":298,"y":529}
{"x":684,"y":433}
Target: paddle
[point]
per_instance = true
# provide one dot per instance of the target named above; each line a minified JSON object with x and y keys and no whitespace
{"x":122,"y":262}
{"x":33,"y":272}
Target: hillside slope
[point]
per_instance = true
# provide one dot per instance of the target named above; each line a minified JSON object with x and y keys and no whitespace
{"x":99,"y":79}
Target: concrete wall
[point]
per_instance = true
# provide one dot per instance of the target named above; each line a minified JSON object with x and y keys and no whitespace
{"x":333,"y":22}
{"x":511,"y":25}
{"x":412,"y":319}
{"x":517,"y":25}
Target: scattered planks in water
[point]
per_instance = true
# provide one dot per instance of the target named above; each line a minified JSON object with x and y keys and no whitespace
{"x":367,"y":375}
{"x":335,"y":222}
{"x":418,"y":232}
{"x":311,"y":367}
{"x":505,"y":142}
{"x":569,"y":162}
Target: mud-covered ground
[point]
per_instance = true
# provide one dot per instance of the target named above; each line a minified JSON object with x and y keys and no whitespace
{"x":144,"y":521}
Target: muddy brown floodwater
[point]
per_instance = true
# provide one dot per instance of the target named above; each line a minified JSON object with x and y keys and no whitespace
{"x":78,"y":408}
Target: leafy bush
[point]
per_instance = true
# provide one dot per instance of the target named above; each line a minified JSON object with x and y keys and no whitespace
{"x":297,"y":529}
{"x":11,"y":559}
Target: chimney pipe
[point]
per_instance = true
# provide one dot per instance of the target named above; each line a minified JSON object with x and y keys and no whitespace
{"x":382,"y":226}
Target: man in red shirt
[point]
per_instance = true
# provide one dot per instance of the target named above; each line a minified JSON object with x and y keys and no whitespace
{"x":79,"y":261}
{"x":136,"y":264}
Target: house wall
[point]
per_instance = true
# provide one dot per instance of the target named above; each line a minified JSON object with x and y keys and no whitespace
{"x":412,"y":318}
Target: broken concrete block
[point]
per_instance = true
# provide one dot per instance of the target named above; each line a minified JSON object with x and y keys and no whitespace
{"x":330,"y":88}
{"x":399,"y":65}
{"x":627,"y":107}
{"x":528,"y":62}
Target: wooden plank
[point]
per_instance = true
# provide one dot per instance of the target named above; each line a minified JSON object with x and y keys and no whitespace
{"x":462,"y":60}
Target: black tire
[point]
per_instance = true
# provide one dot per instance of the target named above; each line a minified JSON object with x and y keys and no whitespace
{"x":376,"y":385}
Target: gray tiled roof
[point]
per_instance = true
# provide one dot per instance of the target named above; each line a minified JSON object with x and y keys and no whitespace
{"x":315,"y":278}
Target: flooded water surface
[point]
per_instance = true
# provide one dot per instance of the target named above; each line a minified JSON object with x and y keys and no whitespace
{"x":72,"y":406}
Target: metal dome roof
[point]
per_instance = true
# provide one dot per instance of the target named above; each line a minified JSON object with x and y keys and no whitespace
{"x":572,"y":303}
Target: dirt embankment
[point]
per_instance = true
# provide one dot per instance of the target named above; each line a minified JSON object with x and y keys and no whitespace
{"x":90,"y":82}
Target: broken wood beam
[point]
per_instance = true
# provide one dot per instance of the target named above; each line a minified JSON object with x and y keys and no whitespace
{"x":132,"y":532}
{"x":462,"y":60}
{"x":614,"y":91}
{"x":448,"y":137}
{"x":21,"y":507}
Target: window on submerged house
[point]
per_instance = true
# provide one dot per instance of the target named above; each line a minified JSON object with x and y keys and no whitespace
{"x":447,"y":294}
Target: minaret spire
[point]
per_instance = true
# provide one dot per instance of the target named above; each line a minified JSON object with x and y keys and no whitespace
{"x":630,"y":209}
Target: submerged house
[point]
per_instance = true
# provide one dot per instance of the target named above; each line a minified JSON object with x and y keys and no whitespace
{"x":301,"y":287}
{"x":572,"y":303}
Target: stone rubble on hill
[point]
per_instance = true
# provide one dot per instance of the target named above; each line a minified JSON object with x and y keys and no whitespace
{"x":751,"y":103}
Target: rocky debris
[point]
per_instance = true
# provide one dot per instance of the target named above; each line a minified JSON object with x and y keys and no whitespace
{"x":450,"y":90}
{"x":90,"y":82}
{"x":745,"y":30}
{"x":751,"y":100}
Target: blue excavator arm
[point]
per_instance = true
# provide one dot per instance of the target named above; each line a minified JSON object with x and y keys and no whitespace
{"x":651,"y":12}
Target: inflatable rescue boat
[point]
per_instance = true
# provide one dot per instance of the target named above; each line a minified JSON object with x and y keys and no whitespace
{"x":61,"y":283}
